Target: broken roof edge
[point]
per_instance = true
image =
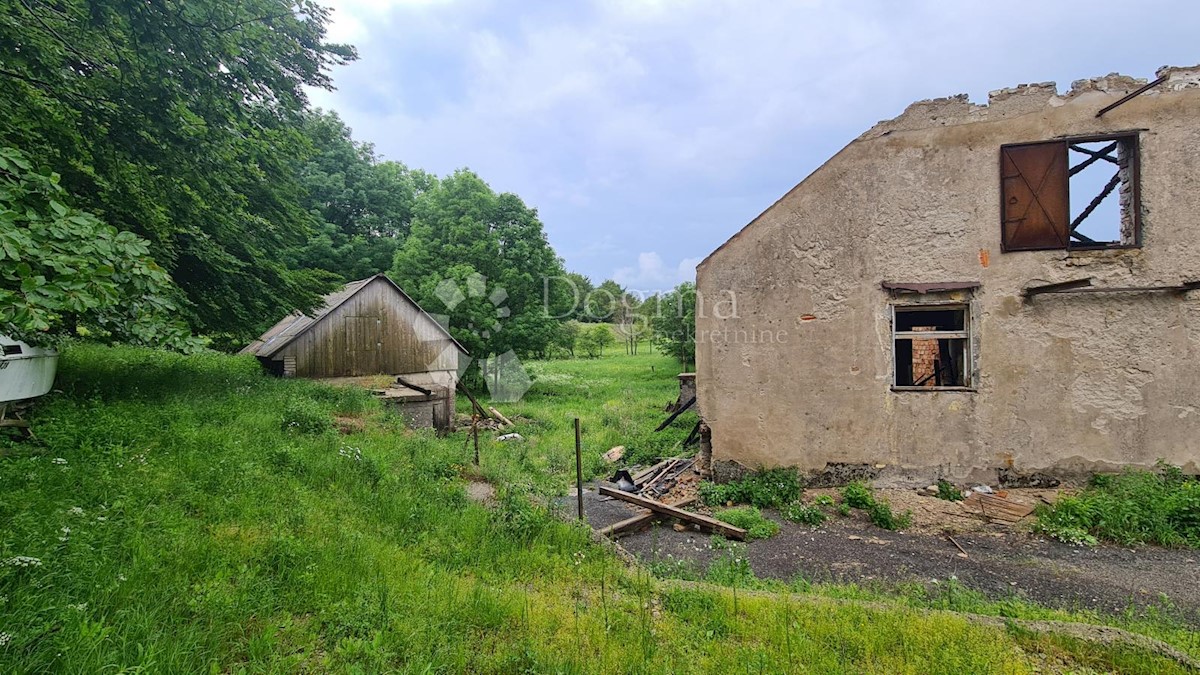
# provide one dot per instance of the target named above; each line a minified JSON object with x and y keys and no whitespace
{"x":1026,"y":98}
{"x":1177,"y":78}
{"x":326,"y":311}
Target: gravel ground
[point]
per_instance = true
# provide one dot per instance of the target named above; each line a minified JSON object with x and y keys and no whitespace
{"x":1000,"y":562}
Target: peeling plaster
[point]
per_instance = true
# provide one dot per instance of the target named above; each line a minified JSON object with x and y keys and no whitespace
{"x":1065,"y":382}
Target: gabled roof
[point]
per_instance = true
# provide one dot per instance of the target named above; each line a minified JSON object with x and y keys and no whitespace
{"x":297,"y":323}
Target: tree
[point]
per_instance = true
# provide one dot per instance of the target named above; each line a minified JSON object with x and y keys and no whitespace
{"x":674,"y":322}
{"x":482,"y":258}
{"x":566,"y":337}
{"x":595,"y":338}
{"x":63,"y":271}
{"x":365,"y":207}
{"x":178,"y":121}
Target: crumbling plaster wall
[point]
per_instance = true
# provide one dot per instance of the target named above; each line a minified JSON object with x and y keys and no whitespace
{"x":1068,"y":383}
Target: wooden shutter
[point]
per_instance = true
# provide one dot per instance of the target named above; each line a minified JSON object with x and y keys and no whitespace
{"x":1035,"y":207}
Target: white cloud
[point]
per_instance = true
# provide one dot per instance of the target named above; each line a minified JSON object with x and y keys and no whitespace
{"x":352,"y":20}
{"x":653,"y":274}
{"x":644,"y":118}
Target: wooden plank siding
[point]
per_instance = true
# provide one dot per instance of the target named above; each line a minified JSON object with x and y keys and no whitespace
{"x":377,"y":330}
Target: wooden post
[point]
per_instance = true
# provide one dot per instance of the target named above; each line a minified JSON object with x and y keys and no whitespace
{"x":578,"y":469}
{"x":475,"y":435}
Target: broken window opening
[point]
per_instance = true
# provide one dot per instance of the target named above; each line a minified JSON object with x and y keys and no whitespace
{"x":1075,"y":194}
{"x":931,"y":346}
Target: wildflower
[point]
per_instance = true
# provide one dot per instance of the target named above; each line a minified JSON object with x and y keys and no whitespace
{"x":74,"y":511}
{"x":120,"y":577}
{"x":101,"y":519}
{"x":5,"y":638}
{"x":80,"y":607}
{"x":58,"y":460}
{"x":66,"y":534}
{"x":21,"y":561}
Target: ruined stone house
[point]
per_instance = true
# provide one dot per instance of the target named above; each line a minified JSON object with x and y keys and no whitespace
{"x":968,"y":290}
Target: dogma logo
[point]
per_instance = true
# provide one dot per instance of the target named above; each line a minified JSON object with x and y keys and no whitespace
{"x":505,"y":375}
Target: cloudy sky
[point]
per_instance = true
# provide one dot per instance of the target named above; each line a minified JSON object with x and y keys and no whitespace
{"x":647,"y":132}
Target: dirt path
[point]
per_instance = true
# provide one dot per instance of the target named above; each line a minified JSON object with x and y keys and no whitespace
{"x":1000,"y":562}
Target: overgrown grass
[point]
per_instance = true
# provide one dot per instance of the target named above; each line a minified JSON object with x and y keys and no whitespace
{"x":771,"y":488}
{"x":859,"y":495}
{"x":1130,"y":508}
{"x":172,"y":519}
{"x":750,"y":519}
{"x":805,"y":514}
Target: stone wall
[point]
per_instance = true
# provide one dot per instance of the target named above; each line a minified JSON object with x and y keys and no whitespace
{"x":1069,"y":383}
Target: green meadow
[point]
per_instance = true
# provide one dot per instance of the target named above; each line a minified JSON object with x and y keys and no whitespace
{"x":185,"y":514}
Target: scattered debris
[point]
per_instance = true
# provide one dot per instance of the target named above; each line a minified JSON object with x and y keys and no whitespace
{"x":637,"y":522}
{"x":510,"y":437}
{"x":962,"y":551}
{"x":675,"y":512}
{"x":660,"y":479}
{"x":982,"y":489}
{"x":623,"y":481}
{"x":504,"y":420}
{"x":614,"y":454}
{"x":997,"y":508}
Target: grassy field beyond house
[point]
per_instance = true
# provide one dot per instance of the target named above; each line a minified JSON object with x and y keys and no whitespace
{"x":188,"y":514}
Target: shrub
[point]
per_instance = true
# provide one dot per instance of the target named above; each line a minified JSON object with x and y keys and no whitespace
{"x":805,"y":514}
{"x":1133,"y":507}
{"x":305,"y":416}
{"x":881,"y":515}
{"x":750,"y":519}
{"x":764,"y":489}
{"x":948,"y":491}
{"x":858,"y":495}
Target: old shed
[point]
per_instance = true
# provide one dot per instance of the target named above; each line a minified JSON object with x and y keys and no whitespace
{"x":367,"y":327}
{"x":970,"y":290}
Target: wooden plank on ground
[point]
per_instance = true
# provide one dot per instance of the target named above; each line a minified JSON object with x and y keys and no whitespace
{"x":631,"y":524}
{"x":999,"y":509}
{"x":666,"y":509}
{"x":504,"y":420}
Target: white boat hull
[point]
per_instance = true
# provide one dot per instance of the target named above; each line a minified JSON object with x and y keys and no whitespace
{"x":25,"y":371}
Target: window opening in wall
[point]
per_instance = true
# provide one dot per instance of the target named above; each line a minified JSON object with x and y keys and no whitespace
{"x":1101,"y":191}
{"x":1074,"y":193}
{"x":931,"y":346}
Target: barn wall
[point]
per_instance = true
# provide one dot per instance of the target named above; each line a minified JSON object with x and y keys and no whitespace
{"x":375,"y":331}
{"x":794,"y":353}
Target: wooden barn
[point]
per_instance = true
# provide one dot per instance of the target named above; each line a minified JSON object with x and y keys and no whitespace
{"x":370,"y":327}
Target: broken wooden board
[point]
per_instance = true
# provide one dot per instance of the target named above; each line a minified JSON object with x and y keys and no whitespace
{"x":504,"y":420}
{"x":658,"y":507}
{"x":646,"y":473}
{"x":998,"y":509}
{"x":636,"y":522}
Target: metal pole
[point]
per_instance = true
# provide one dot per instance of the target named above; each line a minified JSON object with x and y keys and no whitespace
{"x":578,"y":469}
{"x":475,"y":435}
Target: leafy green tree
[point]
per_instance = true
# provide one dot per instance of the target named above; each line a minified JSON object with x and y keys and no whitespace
{"x":64,"y":272}
{"x":178,"y":121}
{"x":566,"y":337}
{"x":674,"y":322}
{"x":493,"y":249}
{"x":594,"y":339}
